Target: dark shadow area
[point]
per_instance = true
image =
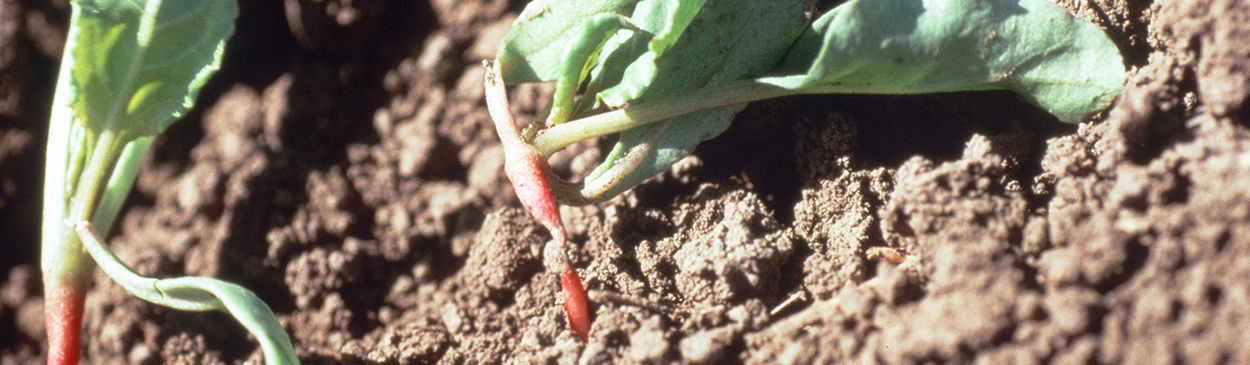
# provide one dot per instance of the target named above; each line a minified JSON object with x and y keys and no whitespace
{"x":759,"y":146}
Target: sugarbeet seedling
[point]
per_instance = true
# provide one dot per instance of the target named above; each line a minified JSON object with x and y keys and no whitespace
{"x":130,"y":68}
{"x":669,"y":74}
{"x":525,"y":167}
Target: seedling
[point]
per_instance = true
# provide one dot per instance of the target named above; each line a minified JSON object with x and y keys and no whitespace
{"x":668,"y":74}
{"x":525,"y":167}
{"x":130,"y":68}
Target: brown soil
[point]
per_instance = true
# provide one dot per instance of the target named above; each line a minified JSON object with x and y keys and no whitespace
{"x":344,"y":167}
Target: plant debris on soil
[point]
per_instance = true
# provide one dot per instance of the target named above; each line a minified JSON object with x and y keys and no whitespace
{"x":343,"y":166}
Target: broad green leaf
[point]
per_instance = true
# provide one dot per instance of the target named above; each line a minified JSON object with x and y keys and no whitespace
{"x":534,"y":48}
{"x":662,"y":22}
{"x":1037,"y":49}
{"x":138,"y":65}
{"x":725,"y":41}
{"x":667,"y":20}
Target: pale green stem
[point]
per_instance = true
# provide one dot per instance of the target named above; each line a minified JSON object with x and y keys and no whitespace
{"x":61,"y":256}
{"x":121,"y":181}
{"x":562,"y":135}
{"x":738,"y":92}
{"x":62,"y":252}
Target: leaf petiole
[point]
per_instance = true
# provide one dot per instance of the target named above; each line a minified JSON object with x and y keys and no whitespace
{"x":633,"y":116}
{"x":195,"y":294}
{"x":562,"y":135}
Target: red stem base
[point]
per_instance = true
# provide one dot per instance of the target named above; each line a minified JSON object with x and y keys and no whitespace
{"x":575,"y":305}
{"x":62,"y":315}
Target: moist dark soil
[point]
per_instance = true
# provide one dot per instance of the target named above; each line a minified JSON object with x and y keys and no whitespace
{"x":343,"y":166}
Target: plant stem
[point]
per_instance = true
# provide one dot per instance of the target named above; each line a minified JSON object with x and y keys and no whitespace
{"x":562,"y":135}
{"x":196,"y":294}
{"x":576,"y":309}
{"x":708,"y":97}
{"x":527,"y":169}
{"x":66,"y":266}
{"x":63,"y":305}
{"x":64,"y":287}
{"x":121,"y":181}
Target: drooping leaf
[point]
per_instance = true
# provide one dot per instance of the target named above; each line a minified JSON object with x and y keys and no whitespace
{"x":677,"y":140}
{"x":1037,"y":49}
{"x":197,"y":294}
{"x":138,"y":65}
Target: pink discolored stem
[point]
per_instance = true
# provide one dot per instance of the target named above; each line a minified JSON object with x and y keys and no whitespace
{"x":575,"y":305}
{"x":63,"y":307}
{"x":522,"y":163}
{"x":526,"y":168}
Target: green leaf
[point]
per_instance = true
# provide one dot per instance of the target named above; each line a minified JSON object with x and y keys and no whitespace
{"x":726,"y":41}
{"x":1037,"y":49}
{"x":129,"y":69}
{"x":138,"y":65}
{"x":672,"y":96}
{"x":534,"y":48}
{"x":662,"y":22}
{"x":667,"y":20}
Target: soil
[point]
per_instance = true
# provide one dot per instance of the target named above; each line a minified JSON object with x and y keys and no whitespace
{"x":343,"y":166}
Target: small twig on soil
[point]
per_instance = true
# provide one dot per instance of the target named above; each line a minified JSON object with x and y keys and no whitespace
{"x":799,"y":296}
{"x":886,"y":254}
